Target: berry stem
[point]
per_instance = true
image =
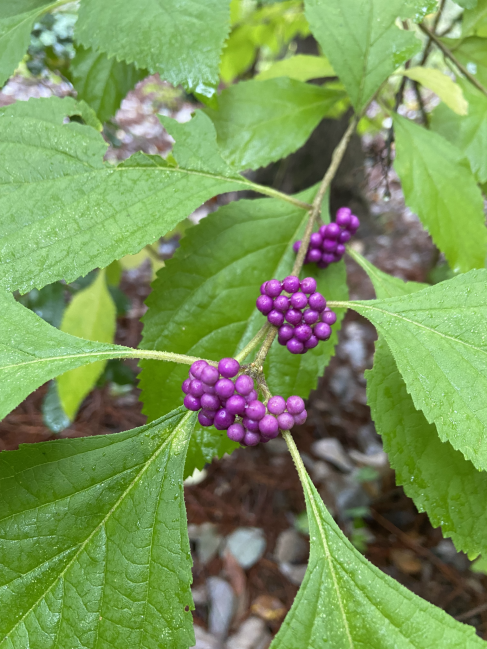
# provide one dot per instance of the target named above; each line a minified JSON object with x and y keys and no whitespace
{"x":336,"y":159}
{"x":161,"y":356}
{"x":253,"y":343}
{"x":314,"y":212}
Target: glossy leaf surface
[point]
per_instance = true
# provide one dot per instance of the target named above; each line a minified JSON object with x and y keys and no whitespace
{"x":66,"y":211}
{"x":438,"y":478}
{"x":180,"y":39}
{"x":259,"y":122}
{"x":439,"y":342}
{"x":362,"y":42}
{"x":345,"y":602}
{"x":439,"y":186}
{"x":94,"y":543}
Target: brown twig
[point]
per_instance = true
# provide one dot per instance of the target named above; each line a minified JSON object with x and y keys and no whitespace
{"x":447,"y":571}
{"x":449,"y":54}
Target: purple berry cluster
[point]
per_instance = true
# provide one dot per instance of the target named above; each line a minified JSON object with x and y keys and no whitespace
{"x":303,"y":318}
{"x":234,"y":406}
{"x":327,"y":246}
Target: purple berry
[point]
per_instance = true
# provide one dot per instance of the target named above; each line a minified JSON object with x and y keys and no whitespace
{"x":251,"y":438}
{"x":317,"y":302}
{"x":251,"y":424}
{"x":281,"y":303}
{"x":209,"y":414}
{"x":343,"y":217}
{"x":204,"y":420}
{"x":340,"y":250}
{"x":329,"y":245}
{"x":291,"y":283}
{"x":228,"y":367}
{"x":322,"y":264}
{"x":328,"y":258}
{"x":276,"y":318}
{"x":285,"y":421}
{"x":268,"y":426}
{"x":308,"y":285}
{"x":286,"y":332}
{"x":303,"y":332}
{"x":273,"y":288}
{"x":313,"y":256}
{"x":310,"y":316}
{"x":311,"y":342}
{"x":244,"y":385}
{"x":322,"y":331}
{"x":337,"y":257}
{"x":236,"y":432}
{"x":235,"y":405}
{"x":196,"y":389}
{"x":330,"y":317}
{"x":210,"y":402}
{"x":192,"y":403}
{"x":344,"y":237}
{"x":197,"y":368}
{"x":315,"y":240}
{"x":223,"y":419}
{"x":354,"y":224}
{"x":276,"y":405}
{"x":294,"y":317}
{"x":332,"y":231}
{"x":262,"y":288}
{"x":209,"y":389}
{"x":264,"y":304}
{"x":296,"y":246}
{"x":294,"y":346}
{"x":210,"y":375}
{"x":295,"y":405}
{"x":185,"y":386}
{"x":300,"y":418}
{"x":255,"y":410}
{"x":299,"y":300}
{"x":224,"y":388}
{"x":252,"y":396}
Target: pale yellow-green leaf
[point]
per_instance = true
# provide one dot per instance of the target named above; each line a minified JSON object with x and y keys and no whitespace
{"x":129,"y":262}
{"x":92,"y":316}
{"x":442,"y":85}
{"x":301,"y":67}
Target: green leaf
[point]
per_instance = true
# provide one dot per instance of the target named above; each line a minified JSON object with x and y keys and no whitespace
{"x":442,"y":85}
{"x":346,"y":602}
{"x":102,"y":82}
{"x":93,"y":541}
{"x":468,"y":133}
{"x":385,"y":285}
{"x":181,"y":40}
{"x":473,"y":54}
{"x":32,"y":352}
{"x":301,"y":67}
{"x":474,"y":21}
{"x":438,"y":479}
{"x":258,"y":122}
{"x":16,"y":21}
{"x":467,"y":4}
{"x":203,"y":303}
{"x":65,"y":211}
{"x":437,"y":338}
{"x":92,"y":316}
{"x":362,"y":41}
{"x":439,"y":186}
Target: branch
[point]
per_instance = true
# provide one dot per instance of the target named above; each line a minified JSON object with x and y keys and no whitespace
{"x":449,"y":54}
{"x":315,"y":210}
